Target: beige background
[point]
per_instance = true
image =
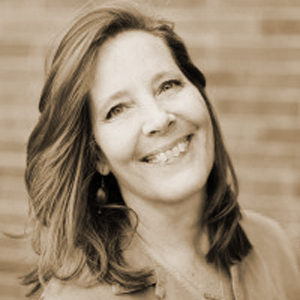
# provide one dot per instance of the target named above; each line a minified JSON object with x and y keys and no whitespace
{"x":250,"y":53}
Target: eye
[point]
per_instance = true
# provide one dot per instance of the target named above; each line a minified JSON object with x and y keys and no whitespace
{"x":168,"y":85}
{"x":115,"y":111}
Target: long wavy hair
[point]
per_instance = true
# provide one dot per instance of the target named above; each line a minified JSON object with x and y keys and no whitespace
{"x":74,"y":241}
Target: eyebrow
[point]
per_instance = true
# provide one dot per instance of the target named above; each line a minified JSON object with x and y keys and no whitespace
{"x":117,"y":95}
{"x":163,"y":74}
{"x":124,"y":93}
{"x":105,"y":102}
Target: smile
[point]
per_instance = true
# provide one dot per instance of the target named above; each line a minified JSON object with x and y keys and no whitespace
{"x":163,"y":157}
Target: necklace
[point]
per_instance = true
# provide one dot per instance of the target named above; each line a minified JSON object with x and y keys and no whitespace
{"x":158,"y":260}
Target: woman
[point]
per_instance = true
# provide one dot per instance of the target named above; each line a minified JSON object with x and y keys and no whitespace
{"x":133,"y":194}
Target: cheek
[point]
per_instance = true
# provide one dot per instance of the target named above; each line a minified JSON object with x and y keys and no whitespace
{"x":203,"y":120}
{"x":211,"y":142}
{"x":210,"y":145}
{"x":196,"y":112}
{"x":116,"y":143}
{"x":192,"y":105}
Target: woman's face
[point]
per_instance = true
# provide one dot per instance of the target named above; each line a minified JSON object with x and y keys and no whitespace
{"x":150,"y":122}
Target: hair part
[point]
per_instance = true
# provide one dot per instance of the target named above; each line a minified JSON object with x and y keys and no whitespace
{"x":69,"y":235}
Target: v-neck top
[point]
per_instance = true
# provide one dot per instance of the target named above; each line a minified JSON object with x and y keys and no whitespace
{"x":269,"y":272}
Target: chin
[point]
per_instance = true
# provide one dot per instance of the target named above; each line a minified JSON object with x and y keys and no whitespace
{"x":180,"y":191}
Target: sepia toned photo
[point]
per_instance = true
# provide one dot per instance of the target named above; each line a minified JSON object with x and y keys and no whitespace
{"x":150,"y":150}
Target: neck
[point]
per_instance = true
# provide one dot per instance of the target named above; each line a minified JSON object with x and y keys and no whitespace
{"x":171,"y":229}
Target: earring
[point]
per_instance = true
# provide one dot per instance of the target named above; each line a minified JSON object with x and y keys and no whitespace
{"x":101,"y":196}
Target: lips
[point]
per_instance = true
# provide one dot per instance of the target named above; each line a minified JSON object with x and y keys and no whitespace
{"x":169,"y":154}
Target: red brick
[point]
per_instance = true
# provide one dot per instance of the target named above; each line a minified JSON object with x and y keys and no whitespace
{"x":268,"y":188}
{"x":258,"y":3}
{"x":266,"y":161}
{"x":244,"y":54}
{"x":281,"y":134}
{"x":247,"y":79}
{"x":13,"y":49}
{"x":12,"y":146}
{"x":290,"y":27}
{"x":257,"y":107}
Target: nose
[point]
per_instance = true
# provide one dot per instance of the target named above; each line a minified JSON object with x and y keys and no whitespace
{"x":158,"y":121}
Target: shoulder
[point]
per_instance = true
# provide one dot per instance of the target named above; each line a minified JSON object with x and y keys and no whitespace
{"x":270,"y":270}
{"x":56,"y":290}
{"x":272,"y":248}
{"x":257,"y":226}
{"x":265,"y":233}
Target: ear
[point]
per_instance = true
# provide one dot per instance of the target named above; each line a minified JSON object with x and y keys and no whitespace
{"x":101,"y":163}
{"x":103,"y":167}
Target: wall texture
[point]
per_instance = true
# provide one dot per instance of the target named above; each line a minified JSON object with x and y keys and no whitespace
{"x":250,"y":53}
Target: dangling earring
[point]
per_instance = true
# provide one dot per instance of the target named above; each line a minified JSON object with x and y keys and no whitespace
{"x":101,"y":196}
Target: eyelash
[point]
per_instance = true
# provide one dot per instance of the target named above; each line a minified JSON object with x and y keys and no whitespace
{"x":113,"y":111}
{"x":169,"y":84}
{"x":165,"y":86}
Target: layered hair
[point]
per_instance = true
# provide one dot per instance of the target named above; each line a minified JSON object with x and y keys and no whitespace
{"x":74,"y":241}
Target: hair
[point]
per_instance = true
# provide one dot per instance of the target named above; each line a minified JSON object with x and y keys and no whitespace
{"x":74,"y":241}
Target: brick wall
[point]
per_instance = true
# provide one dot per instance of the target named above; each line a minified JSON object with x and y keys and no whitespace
{"x":250,"y":53}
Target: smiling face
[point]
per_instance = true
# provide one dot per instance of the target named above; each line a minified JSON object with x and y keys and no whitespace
{"x":150,"y":122}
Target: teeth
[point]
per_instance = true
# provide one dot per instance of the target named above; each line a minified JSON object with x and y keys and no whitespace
{"x":169,"y":154}
{"x":176,"y":151}
{"x":163,"y":157}
{"x":182,"y":146}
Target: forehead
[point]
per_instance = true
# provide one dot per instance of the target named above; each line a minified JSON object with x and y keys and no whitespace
{"x":132,"y":55}
{"x":133,"y":44}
